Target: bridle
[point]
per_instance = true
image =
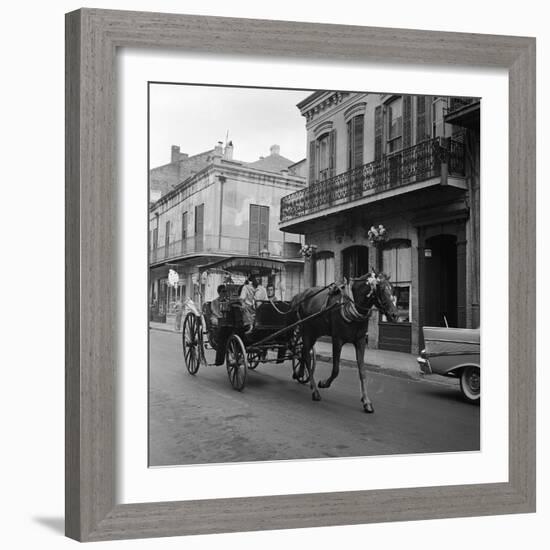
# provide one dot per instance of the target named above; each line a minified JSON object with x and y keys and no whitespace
{"x":350,"y":310}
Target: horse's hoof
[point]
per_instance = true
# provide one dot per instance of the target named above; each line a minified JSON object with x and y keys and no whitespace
{"x":322,"y":384}
{"x":368,"y":408}
{"x":316,"y":396}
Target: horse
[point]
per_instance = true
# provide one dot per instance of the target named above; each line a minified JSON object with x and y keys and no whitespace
{"x":346,"y":321}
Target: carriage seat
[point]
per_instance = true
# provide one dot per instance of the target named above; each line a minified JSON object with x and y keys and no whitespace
{"x":271,"y":314}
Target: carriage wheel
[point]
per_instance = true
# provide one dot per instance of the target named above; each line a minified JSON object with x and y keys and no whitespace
{"x":297,"y":361}
{"x":297,"y":367}
{"x":192,"y":343}
{"x":253,"y":359}
{"x":236,"y":362}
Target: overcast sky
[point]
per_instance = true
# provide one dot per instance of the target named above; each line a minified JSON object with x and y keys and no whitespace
{"x":197,"y":117}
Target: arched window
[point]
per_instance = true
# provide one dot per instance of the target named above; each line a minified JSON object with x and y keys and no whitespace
{"x":324,"y":268}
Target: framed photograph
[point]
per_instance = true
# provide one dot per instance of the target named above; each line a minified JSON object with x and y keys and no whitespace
{"x":290,"y":247}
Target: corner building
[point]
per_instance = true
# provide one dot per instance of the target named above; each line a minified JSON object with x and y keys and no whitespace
{"x":410,"y":164}
{"x":223,"y":208}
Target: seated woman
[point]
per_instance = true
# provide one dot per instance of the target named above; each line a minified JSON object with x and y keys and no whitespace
{"x":247,"y":299}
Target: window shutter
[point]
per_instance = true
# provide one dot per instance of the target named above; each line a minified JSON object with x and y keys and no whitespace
{"x":358,"y":138}
{"x":312,"y":147}
{"x":407,"y":121}
{"x":349,"y":151}
{"x":264,"y":228}
{"x":184,"y":226}
{"x":378,"y":132}
{"x":254,"y":230}
{"x":332,"y":153}
{"x":184,"y":232}
{"x":420,"y":118}
{"x":199,"y":225}
{"x":167,"y":236}
{"x":423,"y":117}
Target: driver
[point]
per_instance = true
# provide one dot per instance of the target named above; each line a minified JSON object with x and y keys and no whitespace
{"x":215,"y":306}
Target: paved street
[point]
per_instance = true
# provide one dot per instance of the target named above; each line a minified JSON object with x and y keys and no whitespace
{"x":199,"y":419}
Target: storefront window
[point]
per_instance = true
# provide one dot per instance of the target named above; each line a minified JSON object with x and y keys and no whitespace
{"x":397,"y":264}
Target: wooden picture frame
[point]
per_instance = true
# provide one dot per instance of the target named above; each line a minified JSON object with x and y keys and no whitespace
{"x":92,"y":39}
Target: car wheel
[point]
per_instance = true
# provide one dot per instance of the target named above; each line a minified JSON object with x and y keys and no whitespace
{"x":470,"y":383}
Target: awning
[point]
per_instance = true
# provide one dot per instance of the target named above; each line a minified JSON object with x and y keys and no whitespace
{"x":258,"y":265}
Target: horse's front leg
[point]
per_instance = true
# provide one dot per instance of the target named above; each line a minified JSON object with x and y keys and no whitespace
{"x":336,"y":351}
{"x":307,"y":344}
{"x":360,"y":357}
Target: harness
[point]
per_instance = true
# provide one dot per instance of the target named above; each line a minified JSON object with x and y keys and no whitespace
{"x":349,"y":310}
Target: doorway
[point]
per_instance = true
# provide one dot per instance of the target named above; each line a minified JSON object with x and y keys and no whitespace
{"x":440,"y":281}
{"x":355,"y":261}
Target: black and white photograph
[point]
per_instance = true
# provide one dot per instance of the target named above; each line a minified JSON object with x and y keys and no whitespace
{"x":256,"y":255}
{"x":314,"y":274}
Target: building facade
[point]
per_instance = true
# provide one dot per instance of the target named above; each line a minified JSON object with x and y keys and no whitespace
{"x":404,"y":163}
{"x":227,"y":208}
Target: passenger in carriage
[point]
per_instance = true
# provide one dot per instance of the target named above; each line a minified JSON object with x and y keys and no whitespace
{"x":215,"y":306}
{"x":247,"y":298}
{"x":259,"y":291}
{"x":271,"y":292}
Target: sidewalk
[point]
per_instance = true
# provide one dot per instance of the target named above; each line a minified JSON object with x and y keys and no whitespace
{"x":391,"y":362}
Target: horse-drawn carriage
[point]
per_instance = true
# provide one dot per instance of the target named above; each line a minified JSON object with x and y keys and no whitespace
{"x":340,"y":311}
{"x":243,"y":343}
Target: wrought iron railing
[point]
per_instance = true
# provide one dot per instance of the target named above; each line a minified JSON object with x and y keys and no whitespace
{"x":457,"y":103}
{"x":216,"y":244}
{"x":413,"y":164}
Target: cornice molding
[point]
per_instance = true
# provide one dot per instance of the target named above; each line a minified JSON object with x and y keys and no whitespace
{"x":330,"y":101}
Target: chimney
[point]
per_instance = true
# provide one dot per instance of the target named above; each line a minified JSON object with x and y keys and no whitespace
{"x":275,"y":150}
{"x":218,"y":150}
{"x":228,"y":153}
{"x":175,"y":153}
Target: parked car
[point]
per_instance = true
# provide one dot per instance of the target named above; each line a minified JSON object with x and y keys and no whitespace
{"x":453,"y":352}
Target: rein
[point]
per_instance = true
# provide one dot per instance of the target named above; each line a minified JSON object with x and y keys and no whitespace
{"x":349,"y":310}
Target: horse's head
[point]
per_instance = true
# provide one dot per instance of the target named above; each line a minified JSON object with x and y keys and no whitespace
{"x":375,"y":289}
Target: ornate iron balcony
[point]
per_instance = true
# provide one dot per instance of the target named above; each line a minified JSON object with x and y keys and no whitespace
{"x":457,"y":103}
{"x":413,"y":164}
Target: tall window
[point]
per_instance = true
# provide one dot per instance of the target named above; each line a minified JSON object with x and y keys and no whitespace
{"x":322,"y":157}
{"x":323,"y":148}
{"x":394,"y":117}
{"x":258,"y":235}
{"x":397,"y":263}
{"x":356,"y":131}
{"x":324,"y":268}
{"x":199,"y":227}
